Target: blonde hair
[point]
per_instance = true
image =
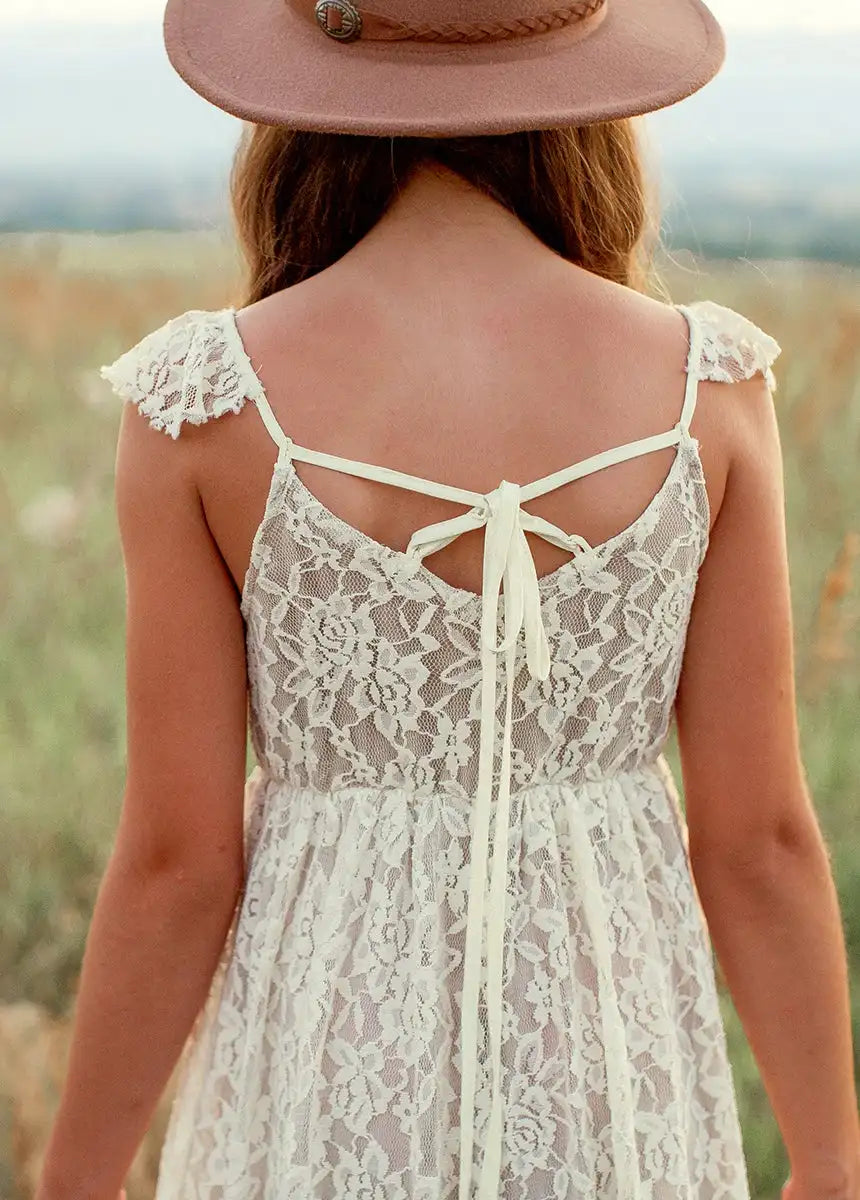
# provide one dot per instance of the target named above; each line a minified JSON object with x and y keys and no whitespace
{"x":302,"y":199}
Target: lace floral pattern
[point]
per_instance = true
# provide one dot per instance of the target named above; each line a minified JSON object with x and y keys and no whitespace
{"x":733,"y":348}
{"x":325,"y":1064}
{"x":365,"y":669}
{"x":181,"y":372}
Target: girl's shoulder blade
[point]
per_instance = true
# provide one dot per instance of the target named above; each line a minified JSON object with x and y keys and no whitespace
{"x":184,"y":372}
{"x":730,"y":347}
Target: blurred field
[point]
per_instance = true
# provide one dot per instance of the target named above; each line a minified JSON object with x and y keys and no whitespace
{"x":69,"y":304}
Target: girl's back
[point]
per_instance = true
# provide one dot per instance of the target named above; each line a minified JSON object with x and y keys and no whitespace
{"x":373,"y":684}
{"x":467,"y":356}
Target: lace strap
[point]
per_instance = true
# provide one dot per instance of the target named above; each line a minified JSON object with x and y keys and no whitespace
{"x":730,"y":346}
{"x":182,"y":372}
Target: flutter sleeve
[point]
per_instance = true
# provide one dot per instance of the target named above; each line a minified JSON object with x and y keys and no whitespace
{"x":732,"y":346}
{"x":184,"y":371}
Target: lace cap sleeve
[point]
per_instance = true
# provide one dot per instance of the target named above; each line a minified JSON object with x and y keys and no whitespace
{"x":184,"y":371}
{"x":732,"y":347}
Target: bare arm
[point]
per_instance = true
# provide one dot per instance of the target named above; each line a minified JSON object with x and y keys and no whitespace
{"x":759,"y":860}
{"x":175,"y":872}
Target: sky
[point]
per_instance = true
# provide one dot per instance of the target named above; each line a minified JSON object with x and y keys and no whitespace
{"x":739,"y":14}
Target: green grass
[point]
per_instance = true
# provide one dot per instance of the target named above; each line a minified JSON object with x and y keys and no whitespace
{"x":69,"y":303}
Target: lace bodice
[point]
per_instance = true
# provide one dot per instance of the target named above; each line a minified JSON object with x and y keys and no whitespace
{"x":313,"y":595}
{"x":368,"y":671}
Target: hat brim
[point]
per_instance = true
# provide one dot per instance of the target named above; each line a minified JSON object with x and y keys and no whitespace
{"x":262,"y":62}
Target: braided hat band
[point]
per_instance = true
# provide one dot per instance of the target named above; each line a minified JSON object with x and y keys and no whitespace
{"x":344,"y":21}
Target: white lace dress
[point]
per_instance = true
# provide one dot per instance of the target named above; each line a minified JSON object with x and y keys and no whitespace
{"x":408,"y":1008}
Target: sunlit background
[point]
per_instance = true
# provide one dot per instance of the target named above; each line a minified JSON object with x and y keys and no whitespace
{"x":113,"y":217}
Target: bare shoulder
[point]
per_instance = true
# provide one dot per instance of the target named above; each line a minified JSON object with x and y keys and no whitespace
{"x":734,"y":416}
{"x":151,"y":469}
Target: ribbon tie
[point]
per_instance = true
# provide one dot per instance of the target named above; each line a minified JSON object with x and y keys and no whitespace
{"x":507,"y":560}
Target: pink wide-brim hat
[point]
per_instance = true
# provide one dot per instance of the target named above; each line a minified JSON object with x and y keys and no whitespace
{"x":441,"y":67}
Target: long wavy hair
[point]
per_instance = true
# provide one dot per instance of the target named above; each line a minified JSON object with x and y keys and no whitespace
{"x":302,"y":199}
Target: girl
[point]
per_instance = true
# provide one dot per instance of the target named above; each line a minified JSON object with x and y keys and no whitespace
{"x":451,"y":943}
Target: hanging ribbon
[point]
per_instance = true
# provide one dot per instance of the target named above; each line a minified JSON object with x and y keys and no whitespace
{"x":508,"y":561}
